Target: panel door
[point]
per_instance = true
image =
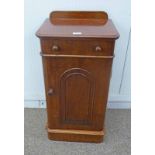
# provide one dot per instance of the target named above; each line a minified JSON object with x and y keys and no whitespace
{"x":76,"y":92}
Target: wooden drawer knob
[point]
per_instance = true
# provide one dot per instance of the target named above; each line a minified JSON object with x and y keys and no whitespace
{"x":55,"y":48}
{"x":50,"y":92}
{"x":98,"y":49}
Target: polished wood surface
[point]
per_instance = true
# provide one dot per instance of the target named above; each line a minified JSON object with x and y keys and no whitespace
{"x":69,"y":46}
{"x":82,"y":31}
{"x":75,"y":56}
{"x":78,"y":18}
{"x":78,"y":86}
{"x":75,"y":135}
{"x":77,"y":73}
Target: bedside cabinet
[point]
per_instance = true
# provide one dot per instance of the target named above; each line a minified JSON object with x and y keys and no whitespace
{"x":77,"y":61}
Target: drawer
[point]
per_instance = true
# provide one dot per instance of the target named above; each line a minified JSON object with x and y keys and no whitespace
{"x":98,"y":47}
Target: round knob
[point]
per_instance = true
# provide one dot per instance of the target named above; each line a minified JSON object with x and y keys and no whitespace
{"x":55,"y":48}
{"x":50,"y":91}
{"x":98,"y":49}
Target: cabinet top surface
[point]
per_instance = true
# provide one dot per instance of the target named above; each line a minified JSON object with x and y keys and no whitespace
{"x":48,"y":29}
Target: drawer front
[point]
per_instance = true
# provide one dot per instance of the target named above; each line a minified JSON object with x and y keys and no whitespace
{"x":96,"y":47}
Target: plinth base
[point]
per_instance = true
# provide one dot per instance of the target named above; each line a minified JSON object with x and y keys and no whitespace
{"x":75,"y":135}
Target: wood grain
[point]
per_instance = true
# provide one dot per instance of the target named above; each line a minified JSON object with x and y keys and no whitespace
{"x":77,"y":71}
{"x":48,"y":30}
{"x":75,"y":56}
{"x":76,"y":135}
{"x":78,"y":18}
{"x":100,"y":70}
{"x":76,"y":109}
{"x":81,"y":132}
{"x":85,"y":47}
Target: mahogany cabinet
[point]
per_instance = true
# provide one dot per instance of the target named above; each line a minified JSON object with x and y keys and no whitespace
{"x":77,"y":62}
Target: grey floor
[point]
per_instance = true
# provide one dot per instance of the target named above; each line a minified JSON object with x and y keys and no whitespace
{"x":116,"y":141}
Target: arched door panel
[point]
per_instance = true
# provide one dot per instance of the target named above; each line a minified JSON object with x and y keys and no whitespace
{"x":76,"y":96}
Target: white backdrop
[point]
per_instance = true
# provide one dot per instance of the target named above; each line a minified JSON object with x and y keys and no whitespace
{"x":35,"y":13}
